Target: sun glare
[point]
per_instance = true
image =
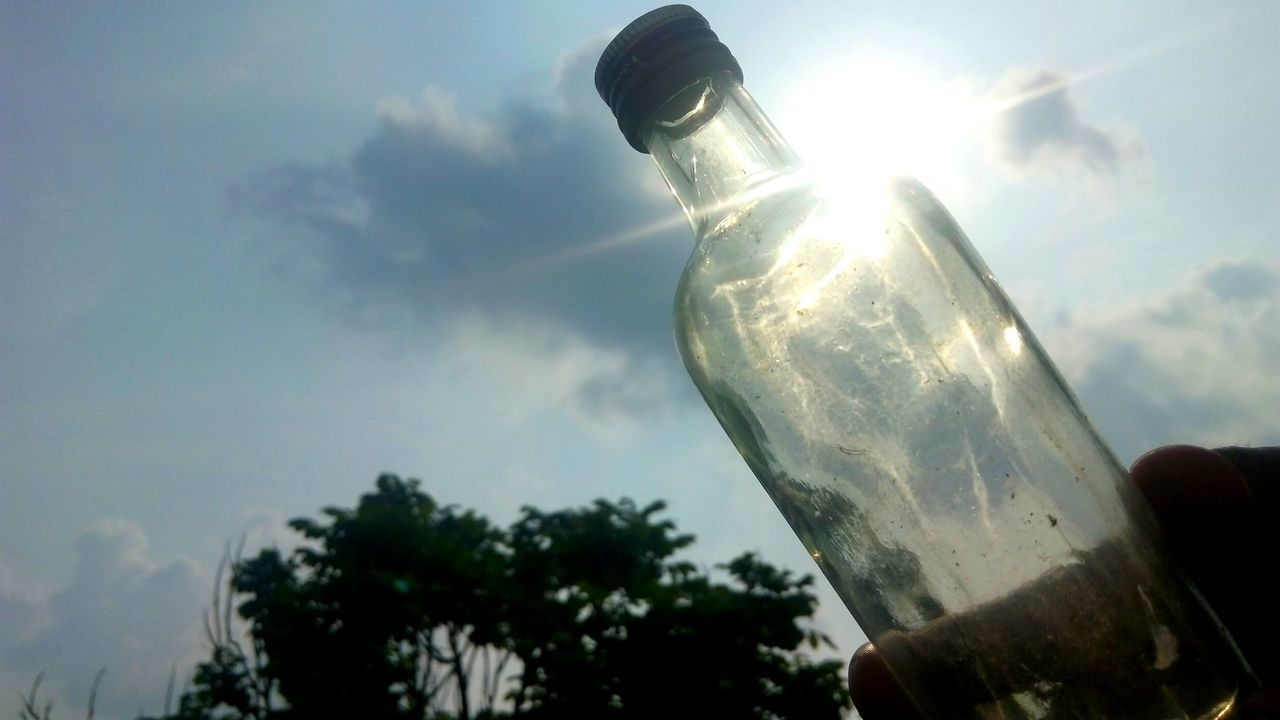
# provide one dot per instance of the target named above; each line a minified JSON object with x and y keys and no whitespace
{"x":864,"y":122}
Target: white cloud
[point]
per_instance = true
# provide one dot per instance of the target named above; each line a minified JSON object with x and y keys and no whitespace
{"x":21,"y":612}
{"x":1194,"y":364}
{"x":546,"y":365}
{"x":436,"y":114}
{"x":121,"y":610}
{"x":1037,"y":128}
{"x":263,"y":528}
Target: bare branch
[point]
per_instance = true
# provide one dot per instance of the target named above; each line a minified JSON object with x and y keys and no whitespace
{"x":30,"y":703}
{"x":427,"y":662}
{"x":497,"y":675}
{"x":488,"y":680}
{"x":168,"y":691}
{"x":230,"y":601}
{"x":214,"y":631}
{"x":459,"y":674}
{"x":93,"y":692}
{"x":473,"y":651}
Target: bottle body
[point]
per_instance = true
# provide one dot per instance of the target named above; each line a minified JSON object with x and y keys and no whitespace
{"x":916,"y":437}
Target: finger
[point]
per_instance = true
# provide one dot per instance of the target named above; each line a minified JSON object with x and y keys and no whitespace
{"x":1260,"y":470}
{"x":1213,"y":514}
{"x":877,"y":695}
{"x":1264,"y":706}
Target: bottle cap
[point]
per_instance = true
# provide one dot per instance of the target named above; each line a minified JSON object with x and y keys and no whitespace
{"x":659,"y":54}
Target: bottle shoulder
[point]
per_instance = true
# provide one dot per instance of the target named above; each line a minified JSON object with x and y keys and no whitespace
{"x":799,"y":238}
{"x":751,"y":232}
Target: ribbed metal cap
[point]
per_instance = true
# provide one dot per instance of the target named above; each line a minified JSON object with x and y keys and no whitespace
{"x":661,"y":53}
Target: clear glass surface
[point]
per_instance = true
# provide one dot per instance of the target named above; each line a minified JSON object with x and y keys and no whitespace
{"x":912,"y":431}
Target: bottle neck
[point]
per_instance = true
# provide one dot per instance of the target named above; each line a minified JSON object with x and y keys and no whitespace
{"x":717,"y":150}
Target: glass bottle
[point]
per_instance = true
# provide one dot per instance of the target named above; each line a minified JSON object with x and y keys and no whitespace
{"x":906,"y":422}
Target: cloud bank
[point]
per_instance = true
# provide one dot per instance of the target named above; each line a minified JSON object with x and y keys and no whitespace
{"x":540,"y":215}
{"x":121,"y":610}
{"x":1195,"y":364}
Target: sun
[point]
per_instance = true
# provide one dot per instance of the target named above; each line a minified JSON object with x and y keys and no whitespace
{"x":863,"y":122}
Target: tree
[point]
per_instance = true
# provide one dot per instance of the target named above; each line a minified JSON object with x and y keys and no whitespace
{"x":402,"y":607}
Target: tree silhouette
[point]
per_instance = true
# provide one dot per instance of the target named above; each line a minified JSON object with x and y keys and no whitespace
{"x":402,"y":607}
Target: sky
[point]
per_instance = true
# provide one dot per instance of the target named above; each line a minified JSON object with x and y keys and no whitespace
{"x":252,"y":255}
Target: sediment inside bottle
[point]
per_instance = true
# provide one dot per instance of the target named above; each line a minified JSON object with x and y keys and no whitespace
{"x":1086,"y":640}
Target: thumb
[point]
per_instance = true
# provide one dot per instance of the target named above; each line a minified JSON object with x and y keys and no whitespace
{"x":1218,"y":510}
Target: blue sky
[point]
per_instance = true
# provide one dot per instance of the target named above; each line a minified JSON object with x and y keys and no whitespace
{"x":253,"y":255}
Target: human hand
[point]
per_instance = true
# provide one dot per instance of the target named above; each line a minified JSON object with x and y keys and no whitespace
{"x":1220,"y":511}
